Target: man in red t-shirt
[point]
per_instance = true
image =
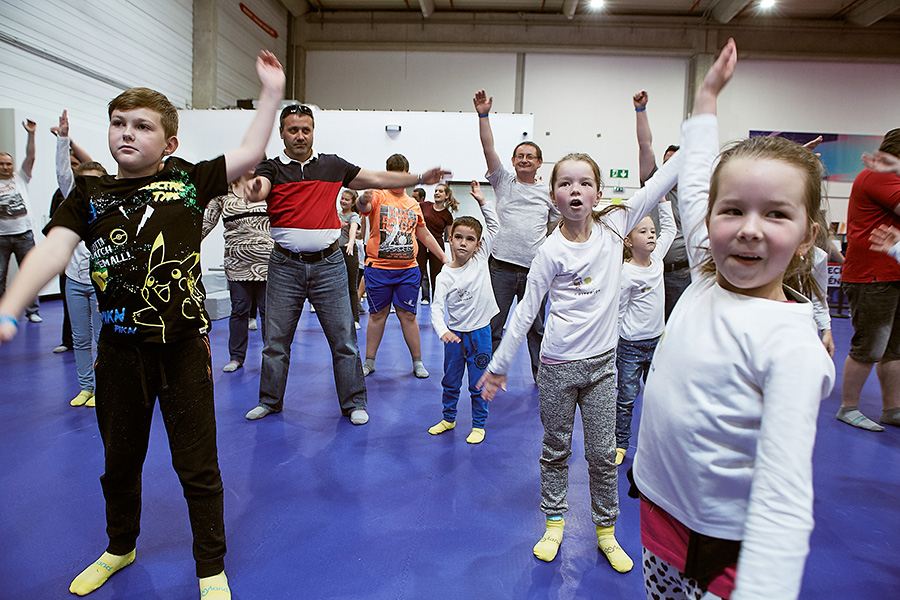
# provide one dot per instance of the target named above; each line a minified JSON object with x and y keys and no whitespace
{"x":871,"y":281}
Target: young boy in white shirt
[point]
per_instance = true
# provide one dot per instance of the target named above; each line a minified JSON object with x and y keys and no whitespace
{"x":464,"y":288}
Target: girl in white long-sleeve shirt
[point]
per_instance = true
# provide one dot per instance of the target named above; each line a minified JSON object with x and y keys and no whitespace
{"x":724,"y":461}
{"x":579,"y":265}
{"x":642,"y":304}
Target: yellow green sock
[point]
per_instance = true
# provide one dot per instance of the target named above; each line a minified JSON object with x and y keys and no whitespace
{"x":82,"y":398}
{"x":606,"y":541}
{"x":215,"y":587}
{"x":548,"y":545}
{"x":442,"y":427}
{"x":477,"y":435}
{"x":620,"y":455}
{"x":101,"y":570}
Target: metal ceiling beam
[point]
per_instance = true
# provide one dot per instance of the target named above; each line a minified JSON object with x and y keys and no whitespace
{"x":296,"y":7}
{"x":725,"y":10}
{"x":569,"y":7}
{"x":869,"y":12}
{"x":427,"y":7}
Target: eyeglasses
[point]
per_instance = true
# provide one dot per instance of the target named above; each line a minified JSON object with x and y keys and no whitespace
{"x":296,"y":109}
{"x":525,"y":156}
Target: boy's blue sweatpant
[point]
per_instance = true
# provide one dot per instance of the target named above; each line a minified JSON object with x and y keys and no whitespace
{"x":472,"y":353}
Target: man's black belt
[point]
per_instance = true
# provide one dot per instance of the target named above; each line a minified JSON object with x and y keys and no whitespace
{"x":676,"y":266}
{"x":308,"y":257}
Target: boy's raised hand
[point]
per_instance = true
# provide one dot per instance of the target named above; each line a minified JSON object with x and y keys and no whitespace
{"x":269,"y":70}
{"x":883,"y":238}
{"x":883,"y":162}
{"x":29,"y":125}
{"x":477,"y":193}
{"x":483,"y":102}
{"x":434,"y":175}
{"x":450,"y":337}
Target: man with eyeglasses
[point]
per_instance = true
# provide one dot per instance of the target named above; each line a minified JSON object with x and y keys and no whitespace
{"x":301,"y":187}
{"x":525,"y":213}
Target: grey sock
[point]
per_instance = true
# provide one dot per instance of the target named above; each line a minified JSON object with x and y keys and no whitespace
{"x":368,"y":366}
{"x":852,"y":416}
{"x":419,"y":369}
{"x":891,"y":417}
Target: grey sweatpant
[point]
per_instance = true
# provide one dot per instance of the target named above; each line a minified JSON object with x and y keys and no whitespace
{"x":590,"y":384}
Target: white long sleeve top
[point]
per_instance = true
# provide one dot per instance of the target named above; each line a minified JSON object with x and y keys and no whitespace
{"x":582,"y":279}
{"x":821,"y":311}
{"x":79,"y":266}
{"x":730,"y":407}
{"x":465,"y":293}
{"x":642,"y":296}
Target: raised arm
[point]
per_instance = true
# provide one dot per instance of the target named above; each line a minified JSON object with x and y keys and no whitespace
{"x":28,"y":164}
{"x":883,"y":162}
{"x":252,"y":149}
{"x":394,"y":180}
{"x":65,"y":178}
{"x":667,"y":230}
{"x":646,"y":158}
{"x":491,"y":225}
{"x":483,"y":104}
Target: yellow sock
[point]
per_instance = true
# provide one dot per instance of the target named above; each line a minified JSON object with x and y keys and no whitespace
{"x":477,"y":435}
{"x":82,"y":398}
{"x":606,"y":541}
{"x":620,"y":455}
{"x":548,"y":545}
{"x":101,"y":570}
{"x":442,"y":427}
{"x":215,"y":587}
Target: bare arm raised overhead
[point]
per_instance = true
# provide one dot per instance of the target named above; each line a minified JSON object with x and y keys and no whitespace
{"x":483,"y":104}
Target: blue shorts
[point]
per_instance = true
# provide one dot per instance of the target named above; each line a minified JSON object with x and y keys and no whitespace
{"x":400,"y":286}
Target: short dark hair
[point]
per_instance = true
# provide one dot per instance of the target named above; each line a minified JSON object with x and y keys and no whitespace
{"x":672,"y":148}
{"x":419,"y":193}
{"x":296,"y":109}
{"x":89,"y":166}
{"x":397,"y":162}
{"x":141,"y":97}
{"x":891,"y":142}
{"x":537,"y":149}
{"x":467,"y":221}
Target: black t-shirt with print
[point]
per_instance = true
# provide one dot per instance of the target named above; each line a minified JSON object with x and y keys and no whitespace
{"x":144,"y":239}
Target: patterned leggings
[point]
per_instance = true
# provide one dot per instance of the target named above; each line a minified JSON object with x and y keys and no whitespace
{"x":662,"y":581}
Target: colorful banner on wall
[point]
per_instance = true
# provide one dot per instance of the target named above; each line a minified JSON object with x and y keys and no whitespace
{"x":839,"y":152}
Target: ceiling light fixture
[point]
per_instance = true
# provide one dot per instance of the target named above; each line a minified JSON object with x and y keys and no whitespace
{"x":766,"y":4}
{"x":597,"y":4}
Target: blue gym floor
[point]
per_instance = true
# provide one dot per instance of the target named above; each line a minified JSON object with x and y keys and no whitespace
{"x":317,"y":508}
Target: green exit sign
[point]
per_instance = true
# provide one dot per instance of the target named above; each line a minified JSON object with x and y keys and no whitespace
{"x":619,"y":173}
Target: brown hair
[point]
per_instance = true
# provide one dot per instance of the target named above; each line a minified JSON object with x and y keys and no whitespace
{"x":89,"y":166}
{"x":467,"y":221}
{"x":397,"y":162}
{"x":799,"y":271}
{"x":537,"y":149}
{"x":141,"y":97}
{"x":585,"y":158}
{"x":891,"y":142}
{"x":450,"y":201}
{"x":354,"y":196}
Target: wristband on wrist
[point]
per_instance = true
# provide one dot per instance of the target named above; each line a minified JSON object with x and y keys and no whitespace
{"x":640,"y":109}
{"x":483,"y":115}
{"x":9,"y":319}
{"x":420,"y":179}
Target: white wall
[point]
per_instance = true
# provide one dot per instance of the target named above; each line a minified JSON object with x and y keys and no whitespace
{"x":239,"y":43}
{"x":575,"y":97}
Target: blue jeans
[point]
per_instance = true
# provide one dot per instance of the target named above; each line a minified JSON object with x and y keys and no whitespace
{"x":243,"y":294}
{"x":18,"y":245}
{"x":473,"y":353}
{"x":508,"y":281}
{"x":85,"y":318}
{"x":633,"y":365}
{"x":324,"y":284}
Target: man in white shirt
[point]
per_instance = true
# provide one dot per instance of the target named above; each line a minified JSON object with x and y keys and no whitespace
{"x":16,"y":237}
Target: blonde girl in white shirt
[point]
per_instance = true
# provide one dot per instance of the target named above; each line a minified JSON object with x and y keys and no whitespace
{"x":724,"y":460}
{"x":579,"y":265}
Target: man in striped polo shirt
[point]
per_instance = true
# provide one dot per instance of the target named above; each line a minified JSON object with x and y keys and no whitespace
{"x":301,"y":187}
